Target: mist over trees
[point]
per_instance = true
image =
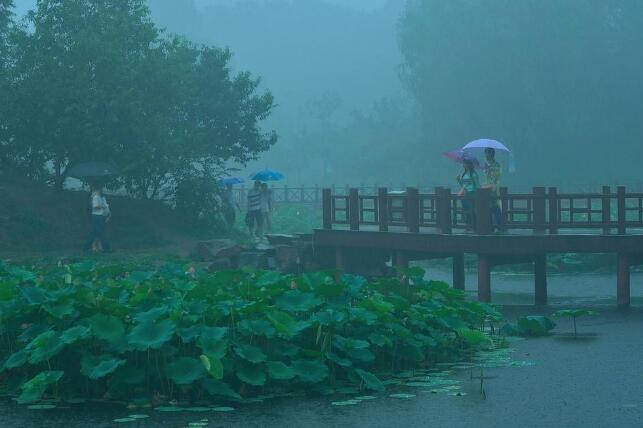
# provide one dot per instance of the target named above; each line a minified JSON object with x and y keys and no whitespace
{"x":332,"y":67}
{"x":96,"y":80}
{"x":559,"y":81}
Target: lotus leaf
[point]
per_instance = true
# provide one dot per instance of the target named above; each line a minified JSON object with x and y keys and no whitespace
{"x":140,"y":277}
{"x":363,"y":315}
{"x":330,"y":317}
{"x":185,"y":370}
{"x":370,"y":380}
{"x":98,"y":367}
{"x":280,"y":371}
{"x":285,"y":324}
{"x":344,"y":362}
{"x":44,"y":346}
{"x":474,"y":338}
{"x":296,"y":301}
{"x":60,"y":309}
{"x":284,"y":349}
{"x":257,"y":327}
{"x":17,"y":359}
{"x":33,"y":389}
{"x":73,"y":334}
{"x":312,"y":371}
{"x":269,"y":278}
{"x":252,"y":375}
{"x":107,"y":327}
{"x":151,"y":334}
{"x":250,"y":353}
{"x":189,"y":334}
{"x":380,"y":340}
{"x":151,"y":315}
{"x":215,"y":387}
{"x":212,"y":366}
{"x":34,"y":295}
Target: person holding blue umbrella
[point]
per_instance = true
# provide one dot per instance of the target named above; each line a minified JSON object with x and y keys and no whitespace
{"x":254,"y":216}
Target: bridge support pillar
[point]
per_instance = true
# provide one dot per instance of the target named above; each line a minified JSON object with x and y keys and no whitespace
{"x":401,"y":260}
{"x":540,"y":274}
{"x":484,"y":278}
{"x":623,"y":281}
{"x":458,"y":272}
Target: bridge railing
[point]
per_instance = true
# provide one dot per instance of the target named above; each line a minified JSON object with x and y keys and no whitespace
{"x":541,"y":211}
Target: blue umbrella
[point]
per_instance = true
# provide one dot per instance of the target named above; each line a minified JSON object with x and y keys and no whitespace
{"x":267,"y":175}
{"x":230,"y":180}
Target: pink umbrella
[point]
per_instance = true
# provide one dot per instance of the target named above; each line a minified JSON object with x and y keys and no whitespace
{"x":459,"y":156}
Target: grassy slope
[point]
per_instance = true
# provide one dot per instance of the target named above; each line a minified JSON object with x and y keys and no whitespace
{"x":34,"y":218}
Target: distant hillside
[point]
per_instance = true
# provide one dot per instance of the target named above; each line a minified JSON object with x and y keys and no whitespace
{"x":34,"y":218}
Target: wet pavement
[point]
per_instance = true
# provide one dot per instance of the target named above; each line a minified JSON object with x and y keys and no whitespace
{"x":593,"y":381}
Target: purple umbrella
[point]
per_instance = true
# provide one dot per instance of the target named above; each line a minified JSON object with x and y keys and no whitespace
{"x":459,"y":156}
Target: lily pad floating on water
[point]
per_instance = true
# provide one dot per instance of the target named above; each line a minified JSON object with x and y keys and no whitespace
{"x":365,"y":397}
{"x":141,"y":416}
{"x":198,"y":409}
{"x":198,"y":424}
{"x":223,"y":409}
{"x":169,"y":409}
{"x":402,"y":396}
{"x":345,"y":403}
{"x":124,"y":420}
{"x":41,"y":407}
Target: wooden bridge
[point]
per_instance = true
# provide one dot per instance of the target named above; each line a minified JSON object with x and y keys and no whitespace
{"x":403,"y":226}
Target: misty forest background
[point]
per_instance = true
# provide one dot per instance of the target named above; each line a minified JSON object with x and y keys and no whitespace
{"x":357,"y":91}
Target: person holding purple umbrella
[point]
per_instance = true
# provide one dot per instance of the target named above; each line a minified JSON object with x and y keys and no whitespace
{"x":469,"y":183}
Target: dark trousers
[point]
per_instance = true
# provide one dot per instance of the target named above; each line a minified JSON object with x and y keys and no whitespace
{"x":497,"y":220}
{"x":97,"y":232}
{"x":469,"y":210}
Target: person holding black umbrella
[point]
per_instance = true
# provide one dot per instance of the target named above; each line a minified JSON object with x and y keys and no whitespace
{"x":100,"y":216}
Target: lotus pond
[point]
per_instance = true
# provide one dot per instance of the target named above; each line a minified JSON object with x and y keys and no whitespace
{"x":177,"y":335}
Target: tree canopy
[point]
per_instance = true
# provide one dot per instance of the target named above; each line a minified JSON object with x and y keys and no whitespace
{"x":558,"y":81}
{"x":96,"y":80}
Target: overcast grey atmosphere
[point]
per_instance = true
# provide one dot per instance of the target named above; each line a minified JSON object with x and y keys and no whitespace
{"x":321,"y":213}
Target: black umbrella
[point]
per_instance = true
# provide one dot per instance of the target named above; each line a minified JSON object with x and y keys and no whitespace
{"x":92,"y":170}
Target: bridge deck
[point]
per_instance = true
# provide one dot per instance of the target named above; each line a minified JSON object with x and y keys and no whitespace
{"x":408,"y":226}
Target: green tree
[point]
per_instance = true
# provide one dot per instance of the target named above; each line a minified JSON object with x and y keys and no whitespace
{"x":6,"y":20}
{"x":96,"y":80}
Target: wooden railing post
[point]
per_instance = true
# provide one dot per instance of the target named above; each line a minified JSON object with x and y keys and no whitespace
{"x":620,"y":200}
{"x":382,"y":208}
{"x":443,"y":207}
{"x":413,"y":209}
{"x":606,"y":206}
{"x":353,"y":209}
{"x":539,"y":210}
{"x":504,"y":205}
{"x":327,"y":207}
{"x":553,"y":210}
{"x":286,"y":199}
{"x":483,"y":211}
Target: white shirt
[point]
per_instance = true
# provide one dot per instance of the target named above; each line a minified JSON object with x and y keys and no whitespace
{"x":99,"y":205}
